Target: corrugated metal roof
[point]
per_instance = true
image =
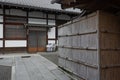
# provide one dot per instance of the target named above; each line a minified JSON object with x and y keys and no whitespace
{"x":42,"y":4}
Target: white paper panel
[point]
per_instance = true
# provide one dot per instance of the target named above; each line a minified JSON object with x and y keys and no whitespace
{"x":15,"y":43}
{"x":1,"y":30}
{"x":1,"y":43}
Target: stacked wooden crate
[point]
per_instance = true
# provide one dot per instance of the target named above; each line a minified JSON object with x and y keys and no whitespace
{"x":89,"y":46}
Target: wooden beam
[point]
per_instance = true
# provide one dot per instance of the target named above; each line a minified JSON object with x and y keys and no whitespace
{"x":52,"y":39}
{"x":12,"y":23}
{"x":15,"y":38}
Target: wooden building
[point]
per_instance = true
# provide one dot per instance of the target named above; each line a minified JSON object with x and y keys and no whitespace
{"x":89,"y":46}
{"x":25,"y":26}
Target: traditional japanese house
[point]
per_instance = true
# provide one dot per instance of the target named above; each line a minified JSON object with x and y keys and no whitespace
{"x":26,"y":26}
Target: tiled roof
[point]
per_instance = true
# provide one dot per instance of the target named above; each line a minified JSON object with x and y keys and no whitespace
{"x":39,"y":4}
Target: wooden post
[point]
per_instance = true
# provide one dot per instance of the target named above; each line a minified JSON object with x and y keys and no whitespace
{"x":56,"y":30}
{"x":46,"y":31}
{"x":27,"y":29}
{"x":3,"y":29}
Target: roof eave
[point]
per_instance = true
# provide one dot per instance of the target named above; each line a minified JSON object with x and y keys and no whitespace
{"x":39,"y":8}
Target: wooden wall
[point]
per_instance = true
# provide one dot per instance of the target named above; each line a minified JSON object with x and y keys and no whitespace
{"x":85,"y":50}
{"x":78,"y":47}
{"x":109,"y":25}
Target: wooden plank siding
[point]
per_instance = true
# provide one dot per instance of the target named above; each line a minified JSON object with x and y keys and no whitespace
{"x":89,"y":46}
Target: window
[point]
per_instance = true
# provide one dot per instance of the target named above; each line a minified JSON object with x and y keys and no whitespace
{"x":37,"y":21}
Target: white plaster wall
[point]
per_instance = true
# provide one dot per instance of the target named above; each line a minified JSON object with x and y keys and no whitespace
{"x":15,"y":43}
{"x":1,"y":43}
{"x":1,"y":30}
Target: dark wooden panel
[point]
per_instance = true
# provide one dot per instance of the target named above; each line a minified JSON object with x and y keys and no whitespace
{"x":32,"y":50}
{"x":15,"y":49}
{"x":15,"y":31}
{"x":16,"y":38}
{"x":41,"y":39}
{"x":16,"y":19}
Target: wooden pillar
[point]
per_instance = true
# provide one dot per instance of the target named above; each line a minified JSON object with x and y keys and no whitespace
{"x":56,"y":30}
{"x":27,"y":30}
{"x":47,"y":18}
{"x":47,"y":29}
{"x":3,"y":29}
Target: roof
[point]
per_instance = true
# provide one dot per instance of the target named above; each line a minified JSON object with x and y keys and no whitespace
{"x":35,"y":4}
{"x":91,"y":5}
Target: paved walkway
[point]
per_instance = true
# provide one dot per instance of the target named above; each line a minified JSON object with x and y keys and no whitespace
{"x":32,"y":67}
